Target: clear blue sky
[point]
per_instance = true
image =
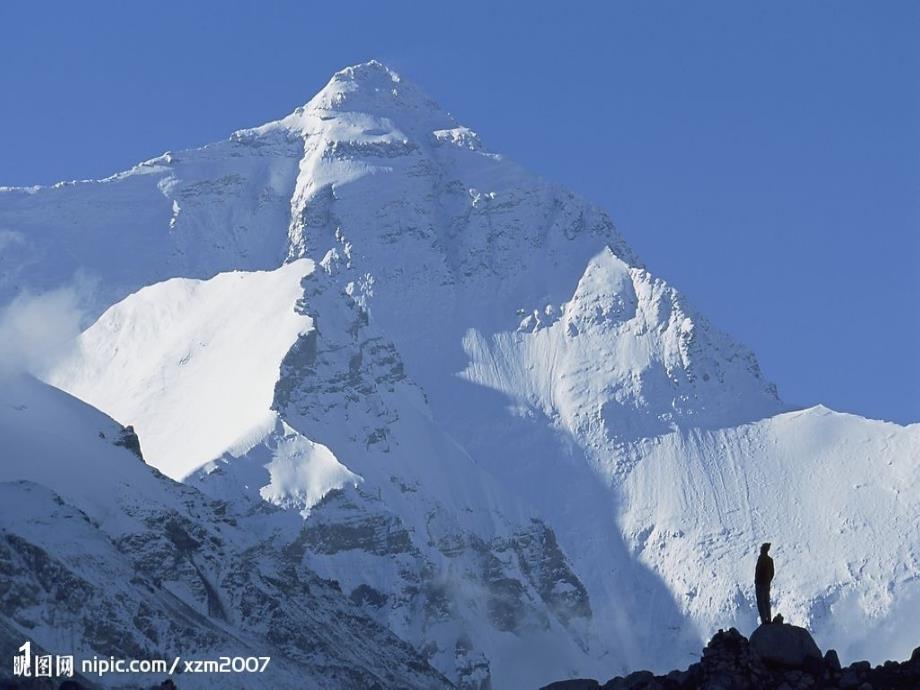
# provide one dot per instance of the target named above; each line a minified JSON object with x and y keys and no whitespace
{"x":763,"y":157}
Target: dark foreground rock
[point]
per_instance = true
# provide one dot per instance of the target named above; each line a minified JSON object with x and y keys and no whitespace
{"x":778,"y":657}
{"x":784,"y":645}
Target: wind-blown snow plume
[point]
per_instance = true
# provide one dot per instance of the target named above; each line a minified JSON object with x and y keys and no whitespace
{"x":38,"y":329}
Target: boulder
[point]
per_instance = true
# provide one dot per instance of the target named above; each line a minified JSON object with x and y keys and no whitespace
{"x":785,"y":645}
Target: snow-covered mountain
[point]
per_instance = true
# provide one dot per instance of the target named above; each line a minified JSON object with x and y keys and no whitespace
{"x":508,"y":441}
{"x":104,"y":556}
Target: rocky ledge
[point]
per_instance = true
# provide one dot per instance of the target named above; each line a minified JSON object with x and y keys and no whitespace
{"x":778,"y":656}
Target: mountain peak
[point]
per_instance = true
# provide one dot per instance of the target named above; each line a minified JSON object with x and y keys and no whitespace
{"x":372,"y":88}
{"x":372,"y":71}
{"x":368,"y":96}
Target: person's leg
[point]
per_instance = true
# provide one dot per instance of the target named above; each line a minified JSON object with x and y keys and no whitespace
{"x":762,"y":603}
{"x":766,"y":604}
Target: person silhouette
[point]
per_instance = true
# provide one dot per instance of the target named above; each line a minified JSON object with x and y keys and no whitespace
{"x":763,"y":576}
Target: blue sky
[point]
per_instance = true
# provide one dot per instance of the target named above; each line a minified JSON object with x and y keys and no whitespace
{"x":763,"y":157}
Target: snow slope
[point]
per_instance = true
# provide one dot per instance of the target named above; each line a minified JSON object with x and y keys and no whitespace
{"x":191,"y":364}
{"x":544,"y":463}
{"x":835,"y":493}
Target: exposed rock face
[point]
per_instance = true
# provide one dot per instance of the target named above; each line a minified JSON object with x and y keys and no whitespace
{"x":175,"y":587}
{"x":346,"y":523}
{"x":423,"y":568}
{"x":778,"y":656}
{"x":128,"y":439}
{"x":547,"y":569}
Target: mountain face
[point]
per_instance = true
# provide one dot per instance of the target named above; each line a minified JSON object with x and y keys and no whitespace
{"x":102,"y":555}
{"x":406,"y":365}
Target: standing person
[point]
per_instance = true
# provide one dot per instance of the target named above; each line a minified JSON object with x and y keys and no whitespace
{"x":763,"y":576}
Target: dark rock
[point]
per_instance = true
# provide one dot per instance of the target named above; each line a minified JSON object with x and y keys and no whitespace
{"x":730,"y":662}
{"x":694,"y":676}
{"x":639,"y":680}
{"x":129,"y":439}
{"x":343,"y":522}
{"x":849,"y":679}
{"x":682,"y":679}
{"x":367,"y":595}
{"x":814,"y":666}
{"x":574,"y":684}
{"x":788,"y":646}
{"x":545,"y":566}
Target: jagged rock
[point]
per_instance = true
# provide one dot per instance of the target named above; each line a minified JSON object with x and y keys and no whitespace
{"x":640,"y":680}
{"x":548,"y":570}
{"x":784,"y":645}
{"x":730,"y":662}
{"x":849,"y":679}
{"x":129,"y":439}
{"x":473,"y":671}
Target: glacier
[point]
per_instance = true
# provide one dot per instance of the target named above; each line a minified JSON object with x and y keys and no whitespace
{"x":451,"y":387}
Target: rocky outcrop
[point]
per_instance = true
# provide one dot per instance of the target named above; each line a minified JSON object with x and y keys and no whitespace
{"x":129,"y":439}
{"x":785,"y":645}
{"x":778,"y":656}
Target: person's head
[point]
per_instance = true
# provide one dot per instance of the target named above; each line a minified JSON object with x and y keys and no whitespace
{"x":765,"y":547}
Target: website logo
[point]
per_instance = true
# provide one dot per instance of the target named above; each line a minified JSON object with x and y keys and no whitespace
{"x":28,"y":665}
